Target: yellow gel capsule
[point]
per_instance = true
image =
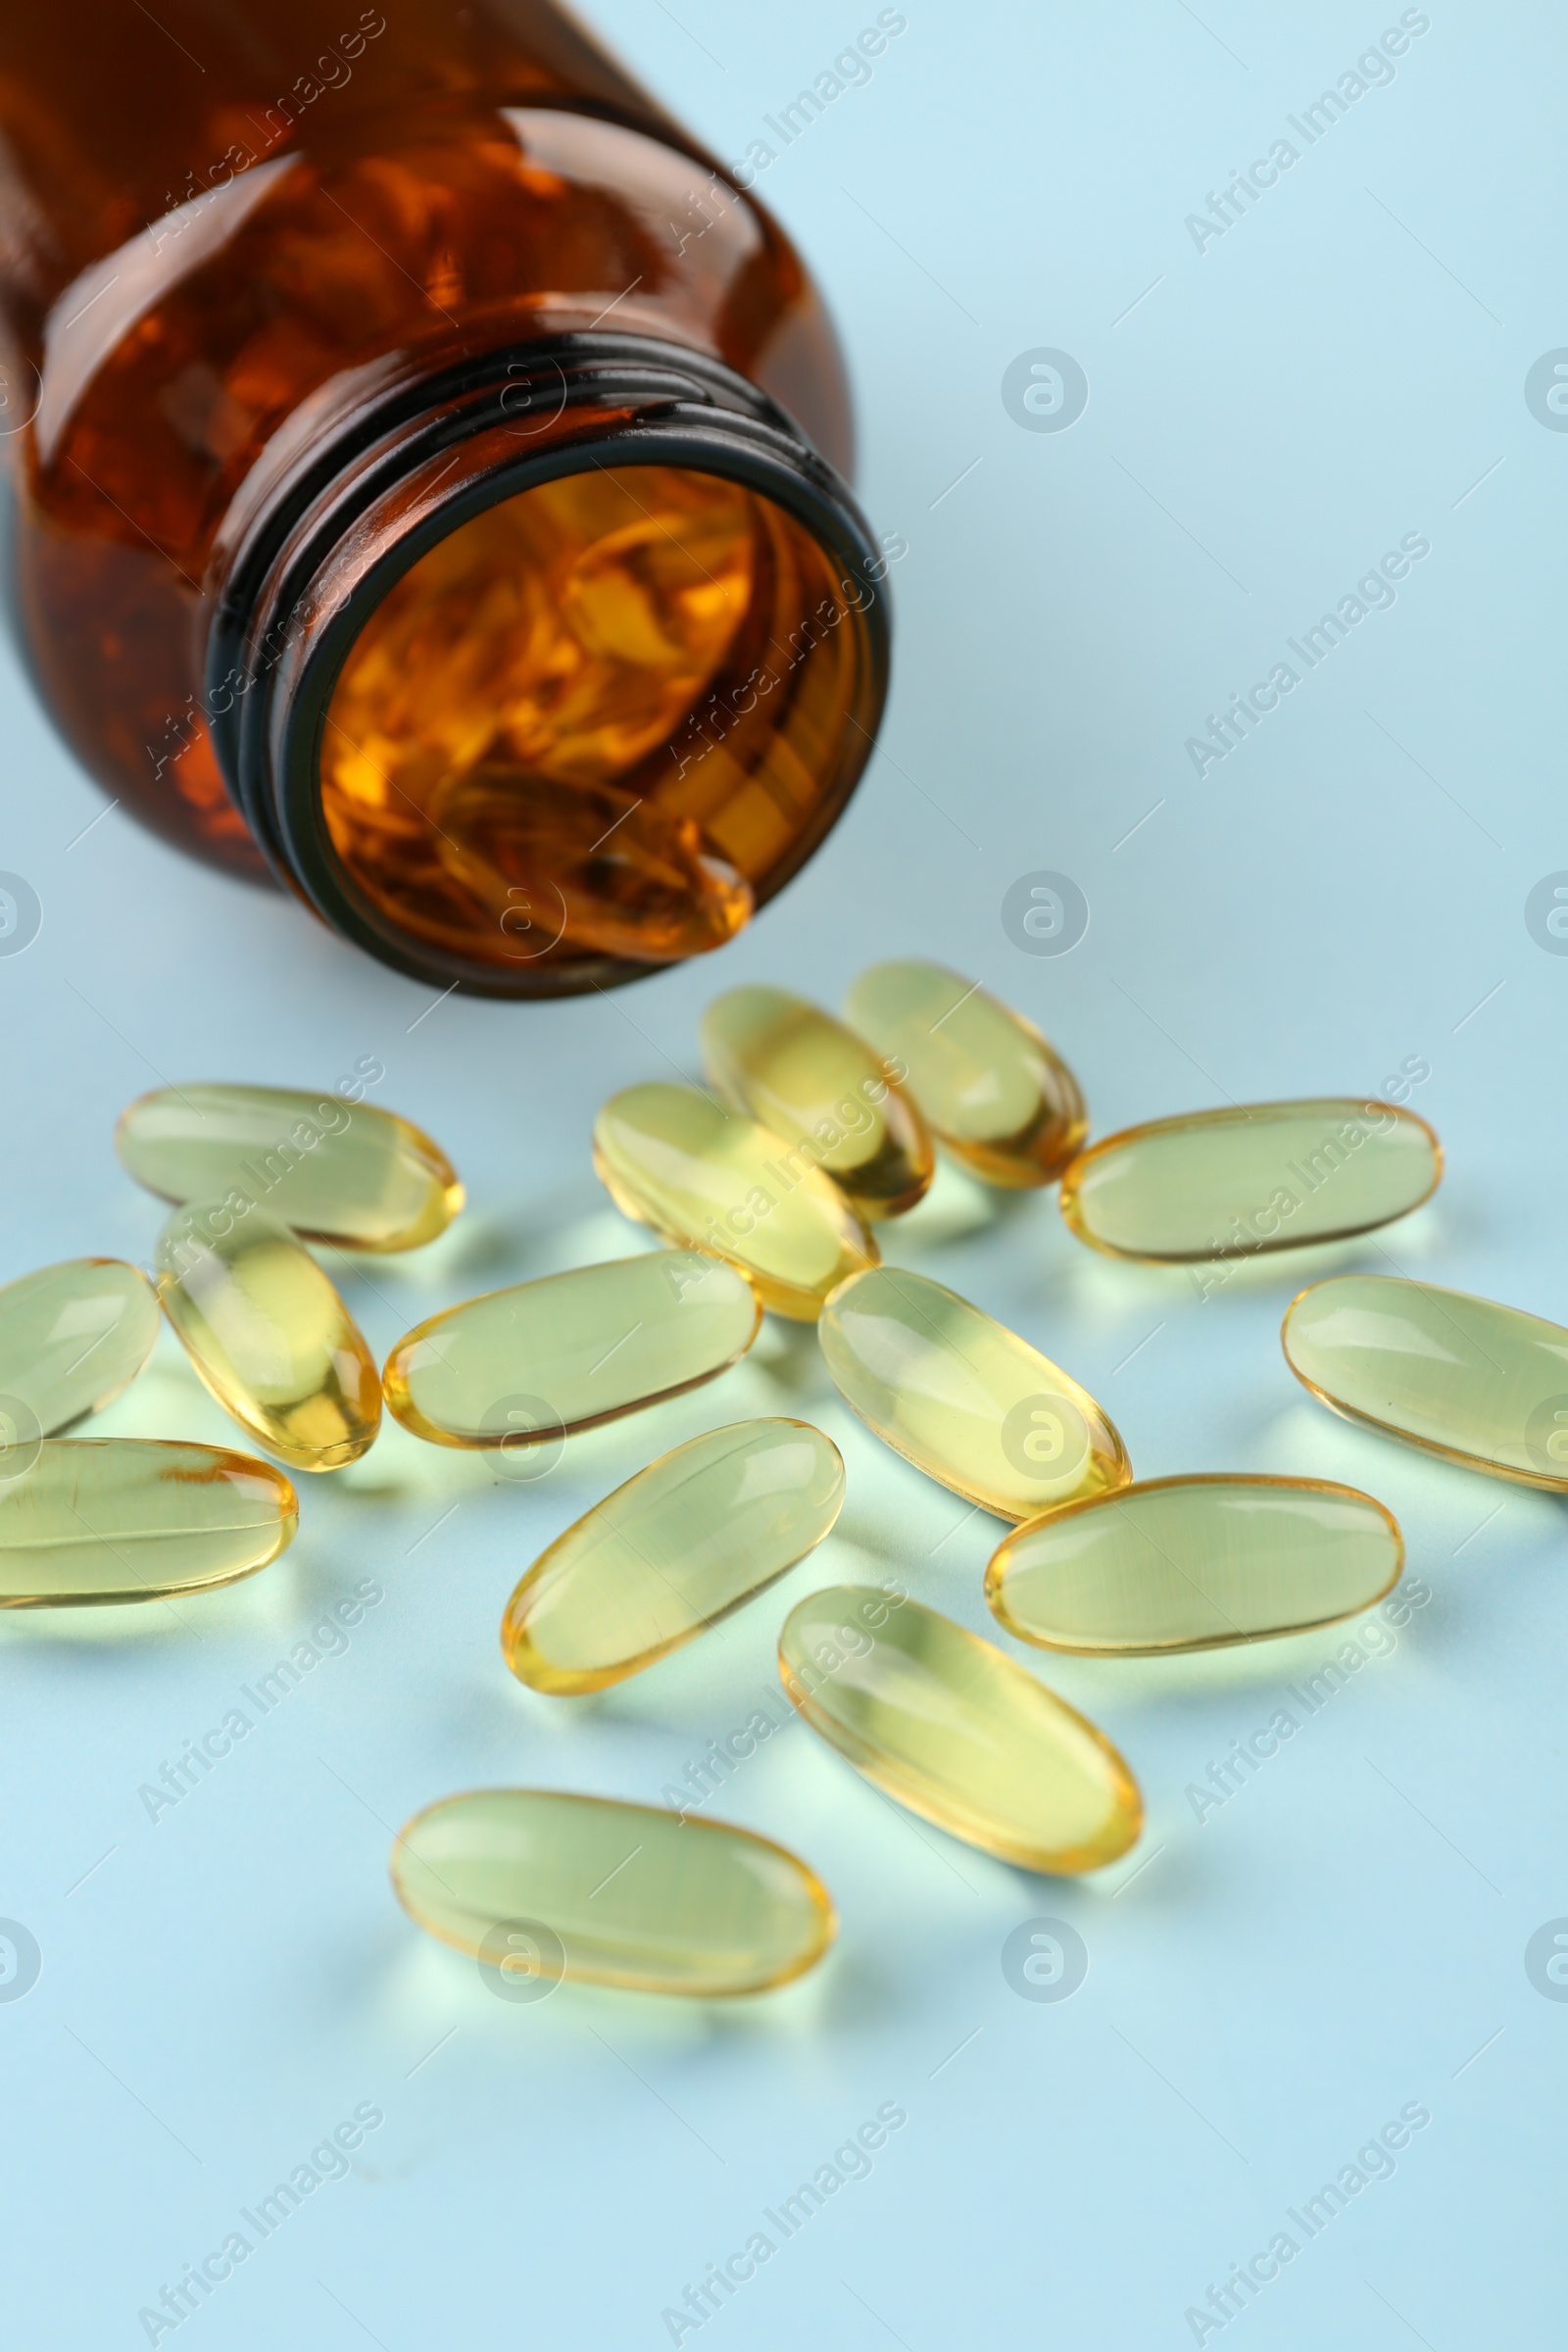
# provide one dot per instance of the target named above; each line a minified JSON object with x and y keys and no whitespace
{"x":703,"y":1176}
{"x":677,"y":1548}
{"x":106,"y":1519}
{"x":965,"y":1398}
{"x":541,"y":1886}
{"x":529,"y":1364}
{"x":1482,"y":1384}
{"x":71,"y":1337}
{"x":956,"y":1731}
{"x":991,"y":1089}
{"x":268,"y":1334}
{"x":1221,"y":1184}
{"x":803,"y":1075}
{"x":1194,"y":1564}
{"x":334,"y":1170}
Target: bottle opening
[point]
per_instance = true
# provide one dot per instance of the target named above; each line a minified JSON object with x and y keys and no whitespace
{"x":604,"y":718}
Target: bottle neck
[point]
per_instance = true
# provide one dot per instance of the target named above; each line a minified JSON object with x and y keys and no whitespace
{"x":544,"y":670}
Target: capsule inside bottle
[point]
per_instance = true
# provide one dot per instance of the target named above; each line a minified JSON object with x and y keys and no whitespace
{"x":596,"y":724}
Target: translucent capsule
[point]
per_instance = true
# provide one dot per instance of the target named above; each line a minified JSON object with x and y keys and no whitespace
{"x":965,"y":1398}
{"x":674,"y":1549}
{"x":1482,"y":1385}
{"x":268,"y":1334}
{"x":1219,"y":1184}
{"x":990,"y":1088}
{"x":106,"y":1519}
{"x":704,"y":1176}
{"x":71,"y":1337}
{"x":1194,"y":1564}
{"x":953,"y":1729}
{"x":335,"y":1170}
{"x":803,"y":1075}
{"x":529,"y":1364}
{"x":541,"y":1886}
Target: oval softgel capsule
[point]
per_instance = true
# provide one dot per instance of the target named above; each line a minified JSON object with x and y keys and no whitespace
{"x":71,"y":1338}
{"x":711,"y":1179}
{"x":93,"y":1520}
{"x":991,"y":1089}
{"x":528,"y":1364}
{"x":1173,"y":1564}
{"x":334,"y":1170}
{"x":965,"y":1399}
{"x":1482,"y":1385}
{"x":670,"y":1552}
{"x":1258,"y":1176}
{"x":268,"y":1334}
{"x":806,"y":1076}
{"x":543,"y":1886}
{"x":953,"y":1729}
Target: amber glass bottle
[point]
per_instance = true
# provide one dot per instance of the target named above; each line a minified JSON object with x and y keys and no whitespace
{"x":428,"y":483}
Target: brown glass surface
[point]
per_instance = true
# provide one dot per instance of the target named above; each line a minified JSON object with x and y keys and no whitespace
{"x":217,"y":212}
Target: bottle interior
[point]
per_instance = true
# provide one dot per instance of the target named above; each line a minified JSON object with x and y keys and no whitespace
{"x":604,"y":718}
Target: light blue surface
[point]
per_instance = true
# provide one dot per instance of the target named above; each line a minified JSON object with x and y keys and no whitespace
{"x":1267,"y":1987}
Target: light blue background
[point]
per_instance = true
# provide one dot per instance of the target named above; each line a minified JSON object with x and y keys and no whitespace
{"x":1266,"y":1987}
